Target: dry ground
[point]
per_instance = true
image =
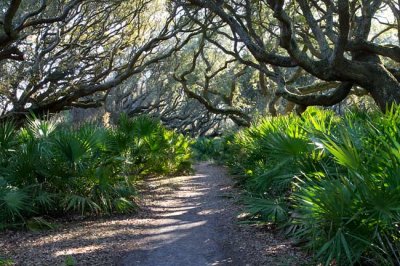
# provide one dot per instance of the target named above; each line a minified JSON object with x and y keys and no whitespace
{"x":187,"y":220}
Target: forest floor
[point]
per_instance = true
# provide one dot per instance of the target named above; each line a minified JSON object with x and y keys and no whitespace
{"x":186,"y":220}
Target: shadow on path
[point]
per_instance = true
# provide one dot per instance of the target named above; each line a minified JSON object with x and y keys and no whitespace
{"x":189,"y":221}
{"x":187,"y":226}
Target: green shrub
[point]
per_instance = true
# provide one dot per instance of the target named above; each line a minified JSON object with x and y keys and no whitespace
{"x":49,"y":169}
{"x":208,"y":148}
{"x":6,"y":262}
{"x":331,"y":182}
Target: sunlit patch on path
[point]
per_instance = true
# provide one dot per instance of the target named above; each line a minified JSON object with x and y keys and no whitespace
{"x":187,"y":220}
{"x":187,"y":226}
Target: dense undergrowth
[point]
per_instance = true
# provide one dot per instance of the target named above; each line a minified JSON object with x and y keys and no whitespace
{"x":50,"y":170}
{"x":331,"y":182}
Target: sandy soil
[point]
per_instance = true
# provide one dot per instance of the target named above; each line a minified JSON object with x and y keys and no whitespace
{"x":187,"y":220}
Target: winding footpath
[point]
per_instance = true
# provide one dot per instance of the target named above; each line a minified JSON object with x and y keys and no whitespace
{"x":189,"y":226}
{"x":188,"y":221}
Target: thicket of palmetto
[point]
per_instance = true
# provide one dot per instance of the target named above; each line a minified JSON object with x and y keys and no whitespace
{"x":49,"y":169}
{"x":331,"y":182}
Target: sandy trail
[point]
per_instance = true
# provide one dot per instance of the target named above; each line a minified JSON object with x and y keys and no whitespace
{"x":189,"y":226}
{"x":189,"y":220}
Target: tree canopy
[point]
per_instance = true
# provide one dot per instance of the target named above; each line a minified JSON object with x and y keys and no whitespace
{"x":216,"y":60}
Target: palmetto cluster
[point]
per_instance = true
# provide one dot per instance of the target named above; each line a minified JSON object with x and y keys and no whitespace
{"x":50,"y":169}
{"x":331,"y":182}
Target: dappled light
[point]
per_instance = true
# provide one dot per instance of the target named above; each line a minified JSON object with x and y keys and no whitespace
{"x":179,"y":227}
{"x":80,"y":250}
{"x":200,"y":132}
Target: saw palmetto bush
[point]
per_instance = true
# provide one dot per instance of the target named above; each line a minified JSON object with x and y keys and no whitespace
{"x":205,"y":148}
{"x":52,"y":170}
{"x":331,"y":182}
{"x":152,"y":148}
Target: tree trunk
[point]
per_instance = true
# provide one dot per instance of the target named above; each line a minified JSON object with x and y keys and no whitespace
{"x":368,"y":72}
{"x":385,"y":92}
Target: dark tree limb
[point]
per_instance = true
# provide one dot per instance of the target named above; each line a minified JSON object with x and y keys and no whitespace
{"x":390,"y":51}
{"x":12,"y":53}
{"x":334,"y":97}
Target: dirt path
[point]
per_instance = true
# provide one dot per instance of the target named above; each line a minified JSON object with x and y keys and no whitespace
{"x":190,"y":220}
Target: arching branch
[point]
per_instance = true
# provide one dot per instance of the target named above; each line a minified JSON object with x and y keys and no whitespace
{"x":330,"y":99}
